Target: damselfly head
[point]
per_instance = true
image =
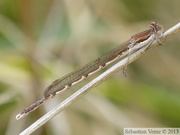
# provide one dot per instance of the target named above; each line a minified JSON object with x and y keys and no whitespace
{"x":158,"y":30}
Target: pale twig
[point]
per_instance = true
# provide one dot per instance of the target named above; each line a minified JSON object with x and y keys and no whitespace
{"x":111,"y":71}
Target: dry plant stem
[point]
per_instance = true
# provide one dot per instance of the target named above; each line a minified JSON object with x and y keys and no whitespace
{"x":111,"y":71}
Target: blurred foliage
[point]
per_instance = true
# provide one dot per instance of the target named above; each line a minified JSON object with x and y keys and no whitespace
{"x":46,"y":39}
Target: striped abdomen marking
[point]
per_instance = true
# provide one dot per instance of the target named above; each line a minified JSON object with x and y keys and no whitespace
{"x":83,"y":72}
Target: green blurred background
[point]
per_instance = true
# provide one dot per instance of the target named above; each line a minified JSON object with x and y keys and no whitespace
{"x":42,"y":40}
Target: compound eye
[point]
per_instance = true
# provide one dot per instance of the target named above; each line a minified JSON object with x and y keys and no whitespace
{"x":153,"y":23}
